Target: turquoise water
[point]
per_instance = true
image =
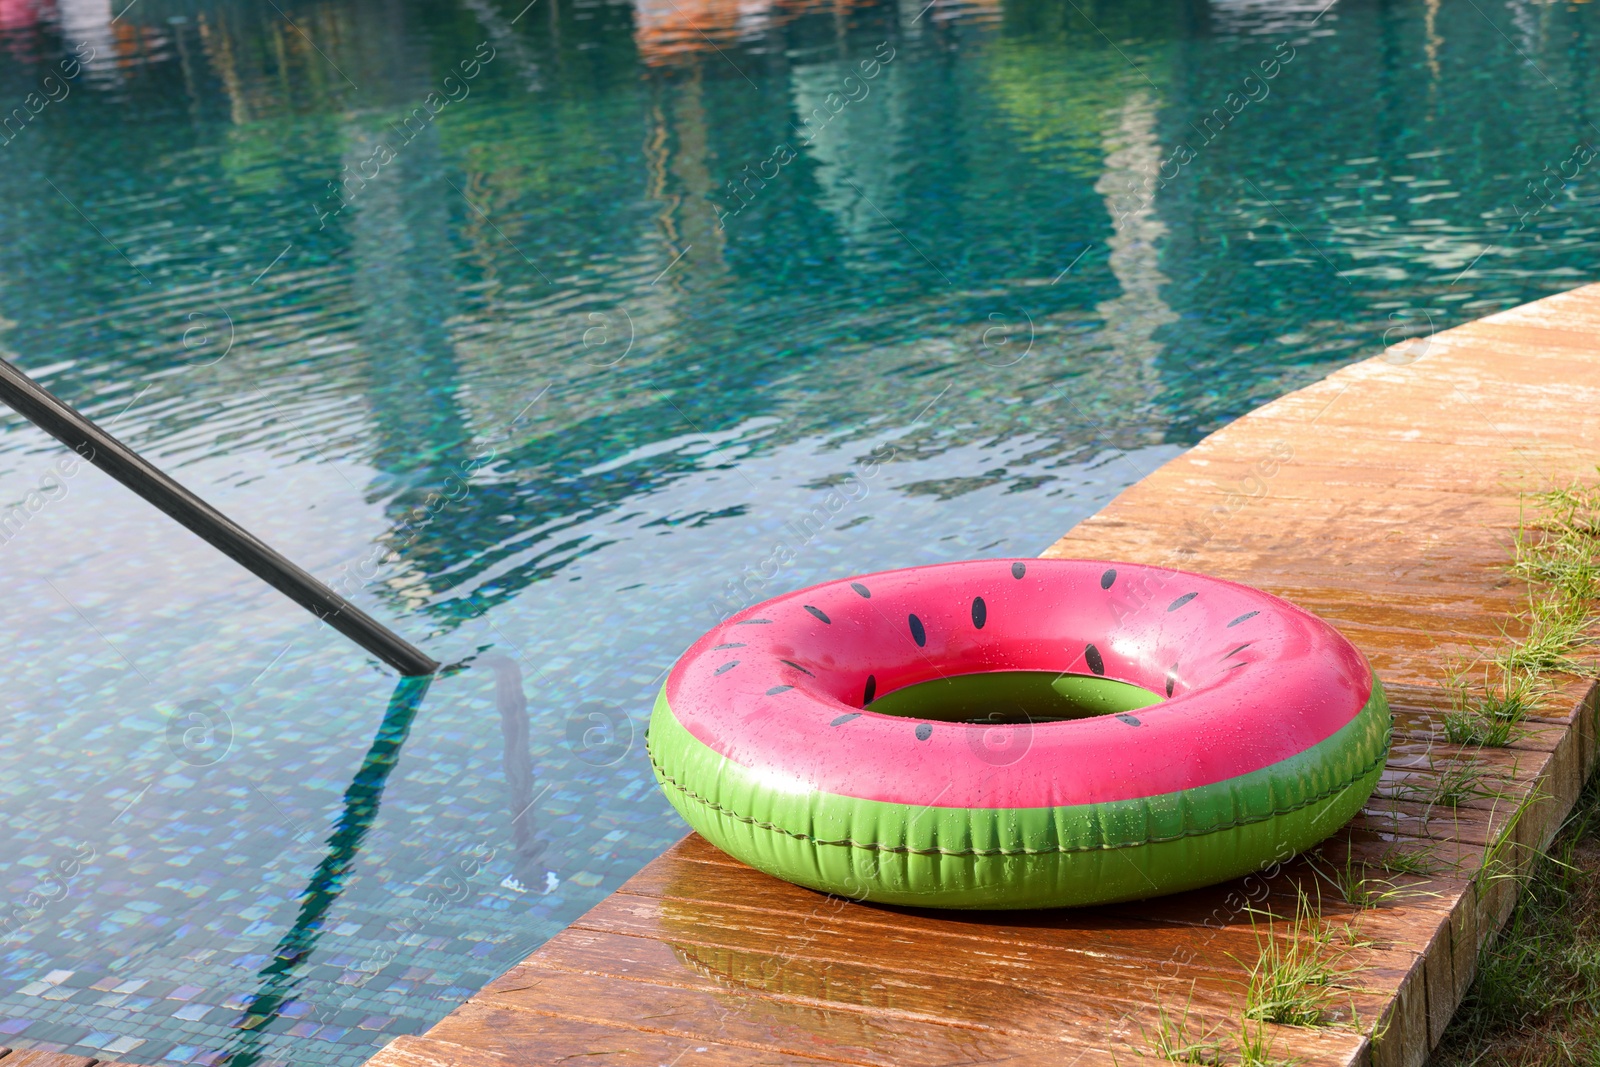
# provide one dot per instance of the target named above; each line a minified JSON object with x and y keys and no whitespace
{"x":537,"y":330}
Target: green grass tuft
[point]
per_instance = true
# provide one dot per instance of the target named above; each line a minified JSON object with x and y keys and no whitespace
{"x":1487,"y":714}
{"x":1358,"y":887}
{"x":1175,"y":1038}
{"x":1479,"y":731}
{"x":1454,"y":783}
{"x":1255,"y":1047}
{"x":1558,"y":555}
{"x":1556,"y":629}
{"x":1559,"y":550}
{"x":1422,"y":862}
{"x":1295,"y":977}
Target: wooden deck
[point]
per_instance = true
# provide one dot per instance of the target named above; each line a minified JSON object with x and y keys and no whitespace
{"x":1381,"y":498}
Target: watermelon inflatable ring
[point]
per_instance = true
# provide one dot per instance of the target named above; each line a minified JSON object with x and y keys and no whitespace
{"x":1019,"y":734}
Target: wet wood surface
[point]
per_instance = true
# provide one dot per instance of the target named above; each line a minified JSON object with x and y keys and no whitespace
{"x":1382,"y":498}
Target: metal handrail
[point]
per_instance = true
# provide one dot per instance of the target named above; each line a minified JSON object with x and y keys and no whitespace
{"x":72,"y":428}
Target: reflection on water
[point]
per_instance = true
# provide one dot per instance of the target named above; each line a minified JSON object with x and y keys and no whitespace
{"x":551,"y":332}
{"x":362,"y":799}
{"x":512,"y":703}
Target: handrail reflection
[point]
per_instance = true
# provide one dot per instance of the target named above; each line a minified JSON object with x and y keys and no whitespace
{"x":361,"y":800}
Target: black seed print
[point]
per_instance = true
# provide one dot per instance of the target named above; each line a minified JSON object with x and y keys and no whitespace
{"x":1238,"y":650}
{"x":797,"y":667}
{"x":1107,"y":578}
{"x":872,"y":689}
{"x":918,"y":634}
{"x":1018,"y":570}
{"x":728,"y":666}
{"x":1096,"y":663}
{"x":754,"y":622}
{"x":736,"y":644}
{"x":1129,"y":719}
{"x":1246,"y":615}
{"x":1172,"y":680}
{"x":841,"y":720}
{"x":980,"y":612}
{"x":924,"y":731}
{"x":863,"y":590}
{"x":818,"y":613}
{"x":1181,"y":601}
{"x":775,"y":690}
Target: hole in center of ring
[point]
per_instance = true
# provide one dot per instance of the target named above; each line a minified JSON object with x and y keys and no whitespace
{"x":1002,"y":697}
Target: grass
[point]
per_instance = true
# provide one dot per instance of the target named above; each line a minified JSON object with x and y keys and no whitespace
{"x":1358,"y":888}
{"x":1556,"y":629}
{"x":1558,"y":552}
{"x":1361,"y":891}
{"x":1421,"y":862}
{"x":1558,"y":555}
{"x":1174,"y":1039}
{"x":1536,"y":1000}
{"x":1454,"y":783}
{"x":1478,"y":731}
{"x":1255,"y":1048}
{"x":1487,"y":714}
{"x":1296,"y":977}
{"x":1462,"y":780}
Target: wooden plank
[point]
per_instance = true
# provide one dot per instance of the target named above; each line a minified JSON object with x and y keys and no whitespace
{"x":513,"y":1033}
{"x":1383,"y":499}
{"x":1006,"y":938}
{"x":409,"y":1051}
{"x":665,"y":998}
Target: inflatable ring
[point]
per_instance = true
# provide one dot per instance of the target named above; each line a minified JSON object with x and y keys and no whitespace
{"x":1019,"y":734}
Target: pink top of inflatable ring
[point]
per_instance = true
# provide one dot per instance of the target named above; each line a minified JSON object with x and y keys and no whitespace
{"x":1249,"y":680}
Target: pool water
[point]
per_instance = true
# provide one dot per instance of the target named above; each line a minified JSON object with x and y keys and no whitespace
{"x":550,"y":334}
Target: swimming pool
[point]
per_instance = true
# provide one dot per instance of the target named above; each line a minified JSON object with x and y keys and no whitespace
{"x":551,"y":334}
